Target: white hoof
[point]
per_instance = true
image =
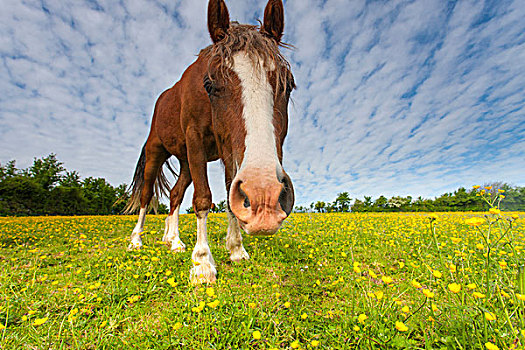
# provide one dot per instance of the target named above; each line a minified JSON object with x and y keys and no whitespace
{"x":136,"y":242}
{"x":204,"y":273}
{"x":178,"y":246}
{"x":238,"y":254}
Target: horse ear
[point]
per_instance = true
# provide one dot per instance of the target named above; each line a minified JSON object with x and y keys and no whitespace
{"x":273,"y":24}
{"x":218,"y":20}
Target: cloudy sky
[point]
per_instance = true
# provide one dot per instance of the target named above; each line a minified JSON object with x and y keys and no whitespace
{"x":394,"y":97}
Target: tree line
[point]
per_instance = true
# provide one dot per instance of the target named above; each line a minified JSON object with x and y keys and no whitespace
{"x":47,"y":188}
{"x":513,"y":199}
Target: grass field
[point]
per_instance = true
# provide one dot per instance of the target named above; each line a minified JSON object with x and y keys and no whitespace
{"x":326,"y":281}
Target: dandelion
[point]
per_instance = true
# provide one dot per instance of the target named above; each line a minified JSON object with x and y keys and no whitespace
{"x":362,"y":318}
{"x":474,"y":221}
{"x":400,"y":326}
{"x":416,"y":284}
{"x":213,"y":304}
{"x":40,"y":321}
{"x":387,"y":279}
{"x":356,"y":328}
{"x":304,"y":316}
{"x":295,"y":344}
{"x":286,"y":304}
{"x":256,"y":335}
{"x":437,"y":274}
{"x":454,"y":287}
{"x":405,"y":309}
{"x":491,"y":346}
{"x":489,"y":316}
{"x":478,"y":295}
{"x":314,"y":343}
{"x":428,"y":293}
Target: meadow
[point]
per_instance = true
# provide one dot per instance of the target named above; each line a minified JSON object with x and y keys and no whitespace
{"x":325,"y":281}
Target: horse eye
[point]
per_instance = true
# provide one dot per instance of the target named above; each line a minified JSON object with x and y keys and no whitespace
{"x":208,"y":85}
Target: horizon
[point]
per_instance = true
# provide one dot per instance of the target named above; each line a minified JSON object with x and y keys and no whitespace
{"x":393,"y":99}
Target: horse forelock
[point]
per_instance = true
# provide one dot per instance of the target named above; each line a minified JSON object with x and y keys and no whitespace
{"x":262,"y":50}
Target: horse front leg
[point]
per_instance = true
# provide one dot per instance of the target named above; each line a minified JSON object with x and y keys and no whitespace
{"x":203,"y":270}
{"x":234,"y":239}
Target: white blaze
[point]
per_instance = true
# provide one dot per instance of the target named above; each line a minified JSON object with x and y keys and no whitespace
{"x":257,"y":99}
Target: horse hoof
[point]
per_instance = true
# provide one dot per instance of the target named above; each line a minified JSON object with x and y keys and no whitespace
{"x":178,"y":247}
{"x":203,"y":274}
{"x":239,"y":254}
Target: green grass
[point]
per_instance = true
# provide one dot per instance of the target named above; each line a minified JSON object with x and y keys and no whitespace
{"x":307,"y":284}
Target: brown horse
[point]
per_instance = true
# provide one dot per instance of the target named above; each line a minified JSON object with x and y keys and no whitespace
{"x":230,"y":104}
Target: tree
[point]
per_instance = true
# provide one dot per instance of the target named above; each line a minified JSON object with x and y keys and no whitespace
{"x":342,"y":202}
{"x":320,"y":207}
{"x":46,"y":171}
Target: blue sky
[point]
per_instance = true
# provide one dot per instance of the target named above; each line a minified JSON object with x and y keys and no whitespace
{"x":394,"y":97}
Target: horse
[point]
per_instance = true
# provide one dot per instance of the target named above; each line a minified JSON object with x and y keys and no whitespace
{"x":230,"y":104}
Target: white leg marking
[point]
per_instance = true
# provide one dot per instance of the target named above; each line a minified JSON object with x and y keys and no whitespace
{"x":257,"y":98}
{"x":203,"y":270}
{"x":136,"y":240}
{"x":234,"y":240}
{"x":171,"y":232}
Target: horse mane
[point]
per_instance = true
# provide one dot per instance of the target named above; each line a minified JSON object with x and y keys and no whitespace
{"x":261,"y":49}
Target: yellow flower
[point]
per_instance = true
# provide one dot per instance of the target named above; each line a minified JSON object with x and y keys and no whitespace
{"x":210,"y":291}
{"x":489,"y":316}
{"x":474,"y":221}
{"x":287,"y":305}
{"x":314,"y":343}
{"x":405,"y":309}
{"x":416,"y":284}
{"x":1,"y":326}
{"x":387,"y":279}
{"x":256,"y":335}
{"x":356,"y":328}
{"x":494,"y":211}
{"x":379,"y":295}
{"x":40,"y":321}
{"x":491,"y":346}
{"x":488,"y":188}
{"x":400,"y":326}
{"x":502,"y":264}
{"x":471,"y":286}
{"x":304,"y":316}
{"x":476,"y":187}
{"x":520,"y":296}
{"x":454,"y":287}
{"x":177,"y":325}
{"x":433,"y":217}
{"x":428,"y":293}
{"x":434,"y":307}
{"x":295,"y":344}
{"x":372,"y":274}
{"x":479,"y":246}
{"x":478,"y":295}
{"x":362,"y":318}
{"x":401,"y":264}
{"x":252,"y":305}
{"x":452,"y":268}
{"x":214,"y":303}
{"x":437,"y":274}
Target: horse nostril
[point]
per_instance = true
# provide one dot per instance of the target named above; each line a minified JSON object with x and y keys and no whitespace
{"x":246,"y":200}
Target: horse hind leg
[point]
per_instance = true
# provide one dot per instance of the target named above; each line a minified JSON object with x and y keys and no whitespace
{"x":171,"y":231}
{"x":147,"y":173}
